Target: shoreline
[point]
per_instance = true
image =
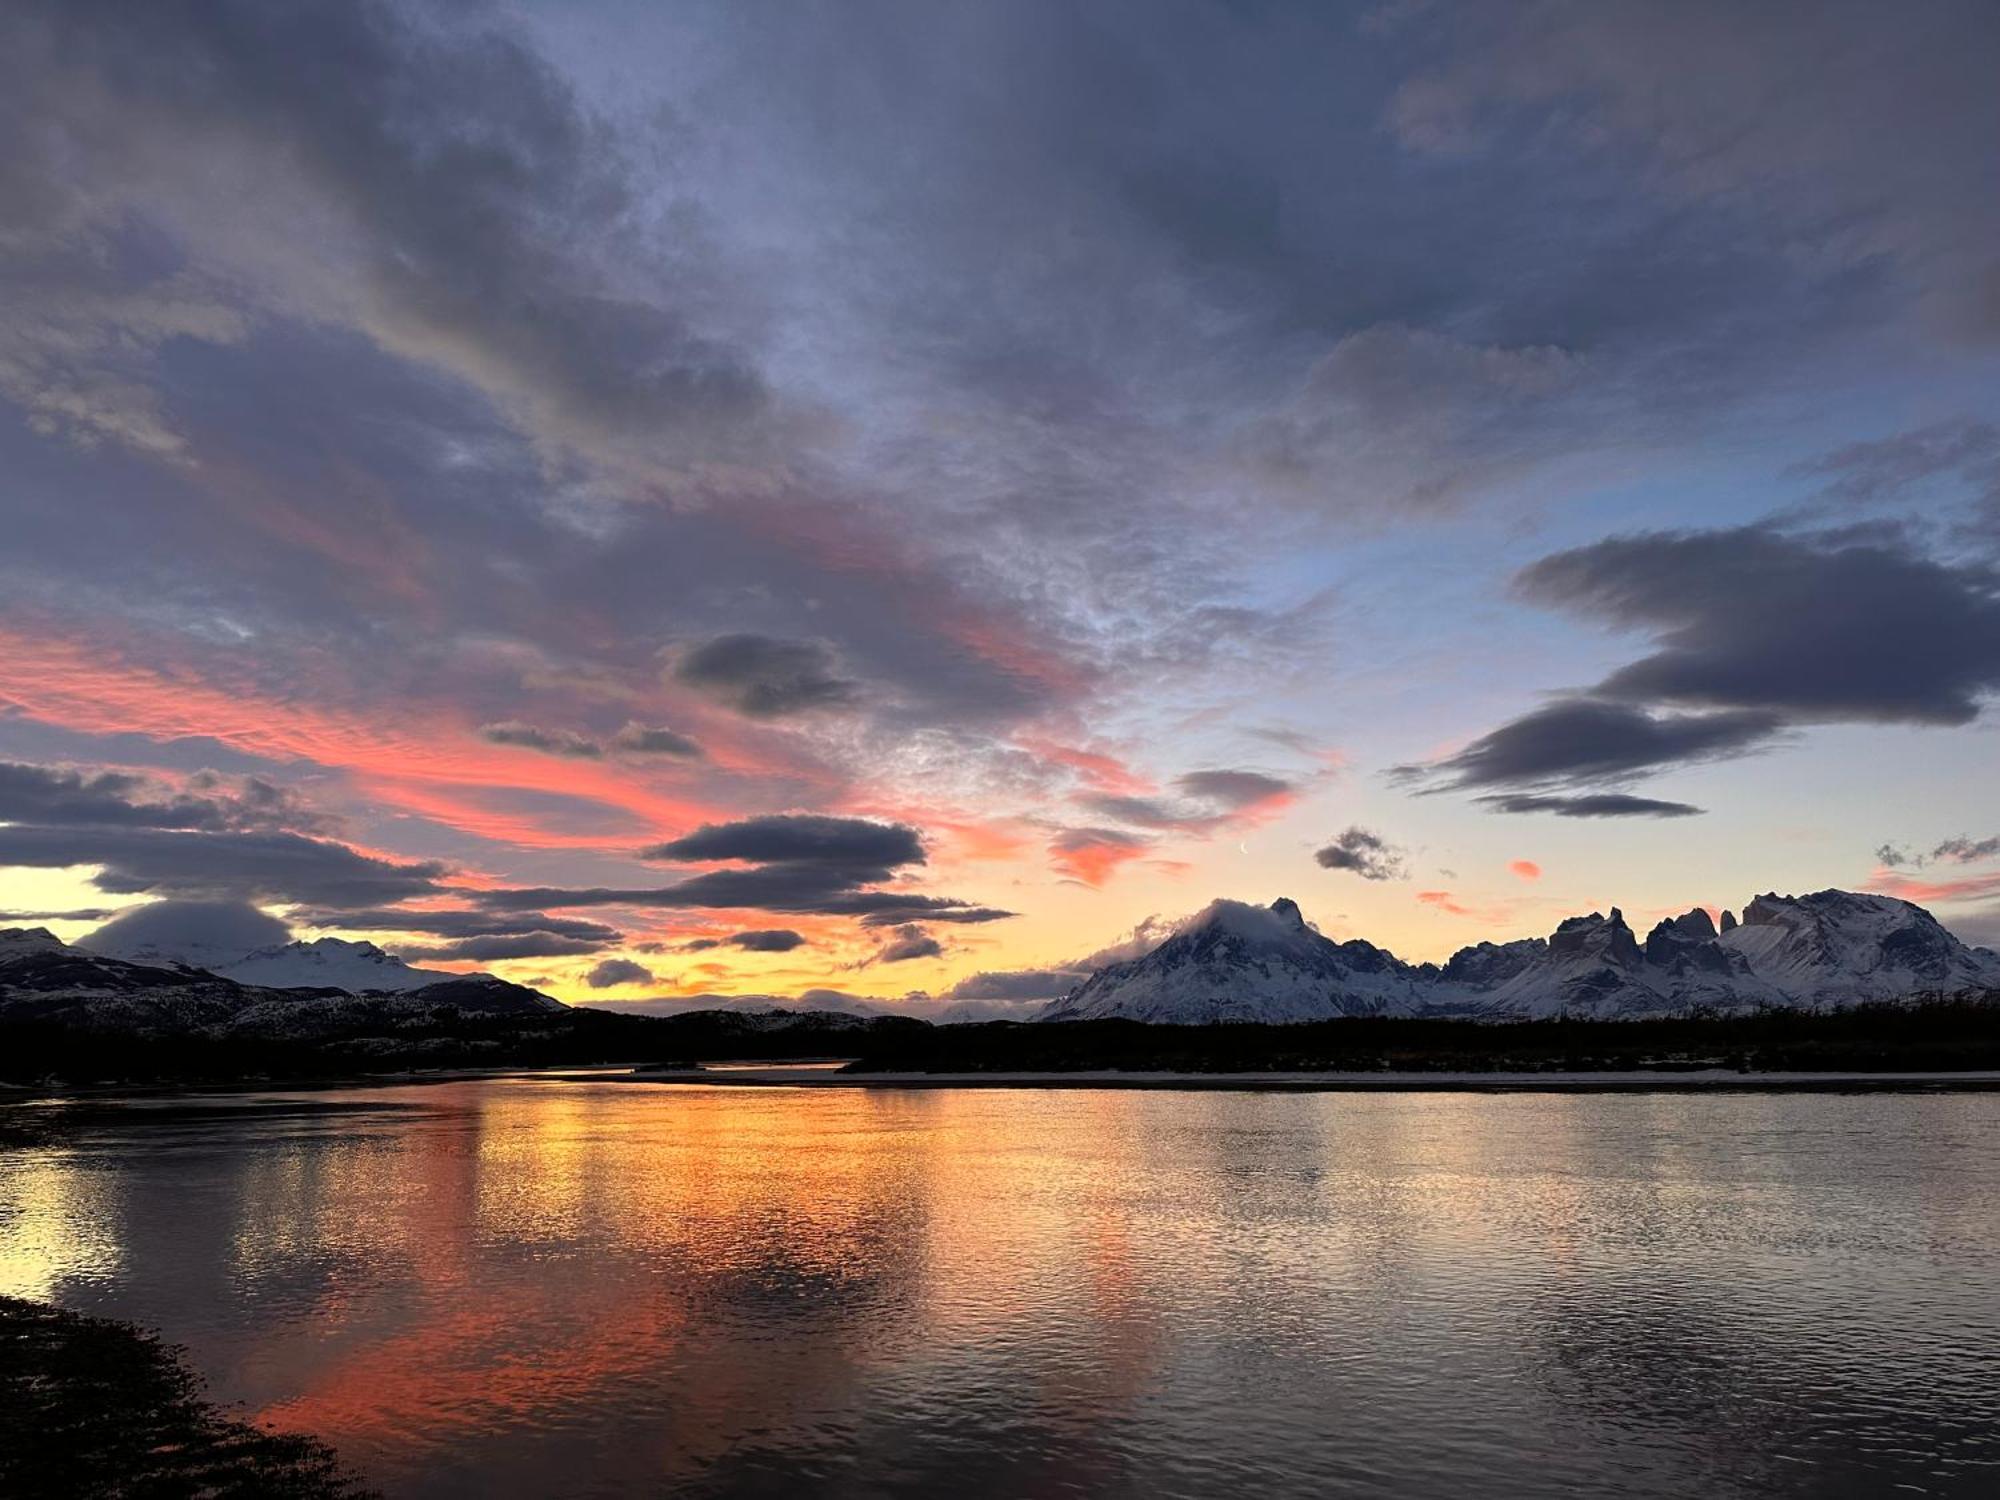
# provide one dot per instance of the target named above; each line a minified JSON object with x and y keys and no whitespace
{"x":1716,"y":1080}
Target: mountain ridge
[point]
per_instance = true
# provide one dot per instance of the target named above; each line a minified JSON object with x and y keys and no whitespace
{"x":1238,"y":962}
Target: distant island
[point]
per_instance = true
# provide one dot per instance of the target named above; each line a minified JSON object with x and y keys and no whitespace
{"x":1830,"y":981}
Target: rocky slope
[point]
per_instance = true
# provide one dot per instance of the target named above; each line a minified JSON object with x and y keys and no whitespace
{"x":1235,"y":962}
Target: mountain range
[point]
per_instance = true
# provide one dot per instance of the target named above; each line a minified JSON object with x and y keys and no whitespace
{"x":45,"y":980}
{"x":1829,"y":949}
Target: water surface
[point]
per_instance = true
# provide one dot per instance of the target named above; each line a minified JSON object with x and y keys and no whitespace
{"x":528,"y":1287}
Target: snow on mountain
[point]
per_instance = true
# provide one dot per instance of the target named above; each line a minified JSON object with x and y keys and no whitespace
{"x":43,"y":979}
{"x":1835,"y":947}
{"x":328,"y":963}
{"x":198,"y":934}
{"x":1234,"y":962}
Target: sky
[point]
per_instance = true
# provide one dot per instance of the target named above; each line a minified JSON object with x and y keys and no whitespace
{"x":658,"y":500}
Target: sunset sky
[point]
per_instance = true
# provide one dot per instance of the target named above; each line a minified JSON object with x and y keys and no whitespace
{"x":747,"y":498}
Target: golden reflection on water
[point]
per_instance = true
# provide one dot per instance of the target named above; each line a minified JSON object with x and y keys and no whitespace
{"x":531,"y":1286}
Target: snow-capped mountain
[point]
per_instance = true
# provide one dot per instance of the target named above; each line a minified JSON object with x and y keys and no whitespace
{"x":45,"y":980}
{"x":329,"y":963}
{"x":1235,"y":962}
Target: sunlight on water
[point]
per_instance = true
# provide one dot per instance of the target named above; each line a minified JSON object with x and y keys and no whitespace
{"x":529,"y":1287}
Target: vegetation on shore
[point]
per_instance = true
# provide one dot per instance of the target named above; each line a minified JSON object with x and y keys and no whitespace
{"x":1933,"y":1036}
{"x":1924,"y":1036}
{"x":99,"y":1408}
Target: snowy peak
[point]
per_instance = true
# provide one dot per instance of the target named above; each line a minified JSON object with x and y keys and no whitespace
{"x":330,"y":963}
{"x":1831,"y":947}
{"x":19,"y":942}
{"x":1238,"y":962}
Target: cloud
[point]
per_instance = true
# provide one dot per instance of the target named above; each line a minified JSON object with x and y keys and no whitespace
{"x":616,"y":971}
{"x":1524,"y":869}
{"x":765,"y":678}
{"x":1813,"y":628}
{"x":1902,"y":467}
{"x":279,"y":867}
{"x":1016,"y":984}
{"x":547,"y":741}
{"x":1590,"y":805}
{"x":1215,"y":799}
{"x":1821,"y":149}
{"x":767,"y":940}
{"x":442,"y":168}
{"x":209,"y":802}
{"x":453,"y":923}
{"x":907,"y":943}
{"x":761,"y":940}
{"x":197,"y":932}
{"x":219,"y":838}
{"x":1366,"y":854}
{"x":516,"y":945}
{"x":641,"y":739}
{"x":1093,"y":855}
{"x":1401,"y":418}
{"x":1581,"y":740}
{"x":1234,"y":790}
{"x":1960,"y":850}
{"x":781,"y":862}
{"x":798,"y":838}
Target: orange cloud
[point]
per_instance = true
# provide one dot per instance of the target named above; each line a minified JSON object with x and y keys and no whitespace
{"x":1906,"y":888}
{"x":1100,"y":772}
{"x":411,"y":766}
{"x":1093,"y":855}
{"x":1526,"y":869}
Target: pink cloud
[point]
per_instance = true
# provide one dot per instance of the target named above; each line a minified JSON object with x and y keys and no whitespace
{"x":1526,"y":869}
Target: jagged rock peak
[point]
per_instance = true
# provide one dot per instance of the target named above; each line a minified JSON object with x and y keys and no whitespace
{"x":1287,"y":911}
{"x":1728,"y":920}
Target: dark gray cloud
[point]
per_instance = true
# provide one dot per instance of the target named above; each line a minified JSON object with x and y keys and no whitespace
{"x":616,"y":971}
{"x":1366,"y":854}
{"x":450,"y":169}
{"x":491,"y":949}
{"x":1213,"y":799}
{"x":798,"y":838}
{"x":548,"y":741}
{"x":1582,"y":740}
{"x":887,"y":909}
{"x":1810,"y":628}
{"x":766,"y":940}
{"x":643,"y":739}
{"x":1807,"y":115}
{"x":1232,"y":789}
{"x":1590,"y":805}
{"x":1958,"y":851}
{"x":453,"y":923}
{"x":1016,"y":984}
{"x":209,"y":802}
{"x":765,"y":678}
{"x":906,"y":943}
{"x":1904,"y":466}
{"x":779,"y":862}
{"x":219,"y":837}
{"x":79,"y":914}
{"x":279,"y":867}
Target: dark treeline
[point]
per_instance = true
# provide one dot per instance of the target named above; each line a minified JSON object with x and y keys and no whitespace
{"x":38,"y":1052}
{"x":1923,"y":1037}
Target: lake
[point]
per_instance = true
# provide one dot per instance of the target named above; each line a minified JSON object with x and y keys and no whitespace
{"x":526,"y":1287}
